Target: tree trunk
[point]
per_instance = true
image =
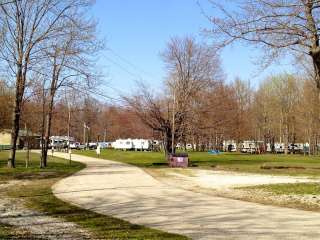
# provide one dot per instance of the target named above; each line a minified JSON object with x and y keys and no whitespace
{"x":28,"y":146}
{"x":43,"y":129}
{"x":315,"y":54}
{"x":14,"y":134}
{"x":167,"y":142}
{"x":47,"y":130}
{"x":16,"y":117}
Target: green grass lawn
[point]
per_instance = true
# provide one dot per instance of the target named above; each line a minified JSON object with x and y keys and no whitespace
{"x":37,"y":194}
{"x":264,"y":163}
{"x":56,"y":167}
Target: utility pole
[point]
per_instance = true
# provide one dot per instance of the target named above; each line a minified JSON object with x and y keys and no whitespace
{"x":105,"y":135}
{"x":84,"y":133}
{"x":28,"y":145}
{"x":69,"y":122}
{"x":173,"y":120}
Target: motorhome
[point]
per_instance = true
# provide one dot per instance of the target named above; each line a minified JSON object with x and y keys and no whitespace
{"x":60,"y":141}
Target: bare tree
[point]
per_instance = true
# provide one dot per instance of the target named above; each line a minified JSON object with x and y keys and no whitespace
{"x":26,"y":25}
{"x":154,"y":112}
{"x":192,"y":68}
{"x":279,"y":27}
{"x":69,"y":63}
{"x":243,"y":96}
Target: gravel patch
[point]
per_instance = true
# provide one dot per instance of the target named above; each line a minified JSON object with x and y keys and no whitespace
{"x":222,"y":180}
{"x":41,"y":226}
{"x":228,"y":184}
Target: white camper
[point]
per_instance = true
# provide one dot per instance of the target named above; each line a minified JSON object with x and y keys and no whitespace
{"x":123,"y":144}
{"x":279,"y":147}
{"x":141,"y":144}
{"x":60,"y":141}
{"x":132,"y":144}
{"x":230,"y":146}
{"x":251,"y":146}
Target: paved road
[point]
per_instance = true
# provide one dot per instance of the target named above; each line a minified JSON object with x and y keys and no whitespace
{"x":129,"y":193}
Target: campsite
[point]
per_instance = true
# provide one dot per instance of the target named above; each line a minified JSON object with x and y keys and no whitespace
{"x":155,"y":120}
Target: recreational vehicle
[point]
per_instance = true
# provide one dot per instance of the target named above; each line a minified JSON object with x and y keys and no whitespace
{"x":279,"y":147}
{"x":59,"y":142}
{"x":252,"y":146}
{"x":132,"y":144}
{"x":142,"y":144}
{"x":229,"y":146}
{"x":123,"y":144}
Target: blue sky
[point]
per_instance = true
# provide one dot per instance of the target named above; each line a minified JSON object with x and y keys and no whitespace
{"x":136,"y":31}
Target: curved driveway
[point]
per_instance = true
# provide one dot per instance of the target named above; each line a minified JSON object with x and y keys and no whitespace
{"x":127,"y":192}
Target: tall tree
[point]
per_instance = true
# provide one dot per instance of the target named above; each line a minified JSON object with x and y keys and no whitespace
{"x":70,"y":63}
{"x":153,"y":112}
{"x":27,"y":26}
{"x":278,"y":26}
{"x":243,"y":96}
{"x":192,"y":68}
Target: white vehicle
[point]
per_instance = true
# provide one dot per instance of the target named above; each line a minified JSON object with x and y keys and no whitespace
{"x":269,"y":148}
{"x":296,"y":148}
{"x":132,"y":144}
{"x":60,"y":141}
{"x":141,"y":144}
{"x":189,"y":146}
{"x":251,"y":146}
{"x":74,"y":145}
{"x":103,"y":145}
{"x":279,"y":147}
{"x":230,"y":146}
{"x":92,"y":145}
{"x":123,"y":144}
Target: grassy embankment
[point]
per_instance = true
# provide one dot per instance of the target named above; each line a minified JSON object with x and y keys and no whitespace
{"x":35,"y":189}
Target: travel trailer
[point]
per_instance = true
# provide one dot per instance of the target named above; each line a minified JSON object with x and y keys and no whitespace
{"x":229,"y":146}
{"x":141,"y":144}
{"x":132,"y":144}
{"x":123,"y":144}
{"x":252,"y":146}
{"x":60,"y":141}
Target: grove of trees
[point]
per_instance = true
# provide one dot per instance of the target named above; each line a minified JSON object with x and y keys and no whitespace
{"x":48,"y":74}
{"x":45,"y":45}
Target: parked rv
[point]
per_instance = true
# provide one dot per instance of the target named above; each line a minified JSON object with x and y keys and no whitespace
{"x":252,"y":146}
{"x":74,"y":145}
{"x":279,"y":147}
{"x":142,"y":144}
{"x":123,"y":144}
{"x":230,"y":146}
{"x":189,"y":146}
{"x":92,"y":145}
{"x":60,"y":142}
{"x":132,"y":144}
